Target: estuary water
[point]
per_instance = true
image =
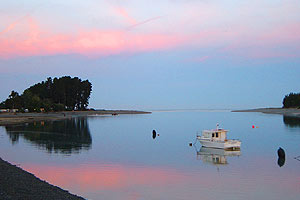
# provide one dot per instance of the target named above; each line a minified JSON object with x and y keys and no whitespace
{"x":116,"y":157}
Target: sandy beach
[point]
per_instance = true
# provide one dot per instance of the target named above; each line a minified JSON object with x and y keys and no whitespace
{"x":16,"y":118}
{"x":292,"y":112}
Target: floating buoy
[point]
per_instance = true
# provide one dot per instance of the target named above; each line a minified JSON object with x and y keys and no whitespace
{"x":281,"y":153}
{"x":153,"y":134}
{"x":191,"y":144}
{"x":253,"y":126}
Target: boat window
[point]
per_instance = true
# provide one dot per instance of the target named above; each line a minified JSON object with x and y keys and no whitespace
{"x":213,"y":135}
{"x":217,"y":135}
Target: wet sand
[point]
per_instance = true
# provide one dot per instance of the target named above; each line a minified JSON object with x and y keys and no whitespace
{"x":293,"y":112}
{"x":16,"y":118}
{"x":17,"y":184}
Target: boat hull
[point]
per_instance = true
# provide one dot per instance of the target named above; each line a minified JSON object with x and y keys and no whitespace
{"x":230,"y":144}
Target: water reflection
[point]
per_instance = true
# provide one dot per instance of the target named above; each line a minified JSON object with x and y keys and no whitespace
{"x":280,"y":161}
{"x":64,"y":136}
{"x":291,"y":122}
{"x":216,"y":156}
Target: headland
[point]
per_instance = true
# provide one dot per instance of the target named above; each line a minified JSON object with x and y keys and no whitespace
{"x":292,"y":112}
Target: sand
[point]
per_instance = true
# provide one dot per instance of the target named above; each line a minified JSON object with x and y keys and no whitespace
{"x":15,"y":183}
{"x":16,"y":118}
{"x":292,"y":112}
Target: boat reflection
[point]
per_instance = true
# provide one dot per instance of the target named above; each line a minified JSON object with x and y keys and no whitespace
{"x":216,"y":156}
{"x":63,"y":136}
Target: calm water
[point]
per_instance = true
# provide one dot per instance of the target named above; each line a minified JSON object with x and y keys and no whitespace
{"x":115,"y":157}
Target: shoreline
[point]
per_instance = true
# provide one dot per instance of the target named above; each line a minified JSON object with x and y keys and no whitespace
{"x":291,"y":112}
{"x":17,"y":118}
{"x":17,"y":183}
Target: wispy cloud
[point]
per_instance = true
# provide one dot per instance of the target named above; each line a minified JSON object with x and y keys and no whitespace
{"x":13,"y":24}
{"x":145,"y":21}
{"x":121,"y":11}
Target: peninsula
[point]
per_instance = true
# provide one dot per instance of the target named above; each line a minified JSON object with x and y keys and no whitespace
{"x":292,"y":112}
{"x":290,"y":107}
{"x":16,"y":118}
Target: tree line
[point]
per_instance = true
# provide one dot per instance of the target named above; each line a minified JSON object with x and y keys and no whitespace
{"x":291,"y":100}
{"x":58,"y":94}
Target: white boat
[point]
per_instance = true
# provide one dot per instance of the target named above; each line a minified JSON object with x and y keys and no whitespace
{"x":217,"y":138}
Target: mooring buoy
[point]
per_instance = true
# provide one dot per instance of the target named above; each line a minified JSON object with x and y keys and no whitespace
{"x":153,"y":134}
{"x":281,"y":153}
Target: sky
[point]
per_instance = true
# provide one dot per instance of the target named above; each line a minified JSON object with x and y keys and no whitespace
{"x":167,"y":54}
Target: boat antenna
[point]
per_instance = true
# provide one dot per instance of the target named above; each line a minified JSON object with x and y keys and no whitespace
{"x":217,"y":126}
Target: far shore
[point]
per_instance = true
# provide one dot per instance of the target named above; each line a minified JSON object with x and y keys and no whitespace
{"x":292,"y":112}
{"x":16,"y":118}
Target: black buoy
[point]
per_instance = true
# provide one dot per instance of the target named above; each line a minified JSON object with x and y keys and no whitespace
{"x":281,"y":157}
{"x":153,"y":134}
{"x":191,"y":144}
{"x":281,"y":153}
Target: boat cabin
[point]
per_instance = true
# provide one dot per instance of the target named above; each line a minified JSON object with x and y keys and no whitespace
{"x":215,"y":134}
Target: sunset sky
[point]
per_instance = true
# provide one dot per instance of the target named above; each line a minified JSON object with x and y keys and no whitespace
{"x":156,"y":55}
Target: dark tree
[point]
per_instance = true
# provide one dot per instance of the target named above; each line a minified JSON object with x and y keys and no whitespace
{"x":291,"y":101}
{"x":14,"y":101}
{"x":56,"y":94}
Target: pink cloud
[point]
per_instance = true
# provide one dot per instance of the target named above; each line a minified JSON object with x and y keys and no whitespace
{"x":35,"y":41}
{"x":31,"y":40}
